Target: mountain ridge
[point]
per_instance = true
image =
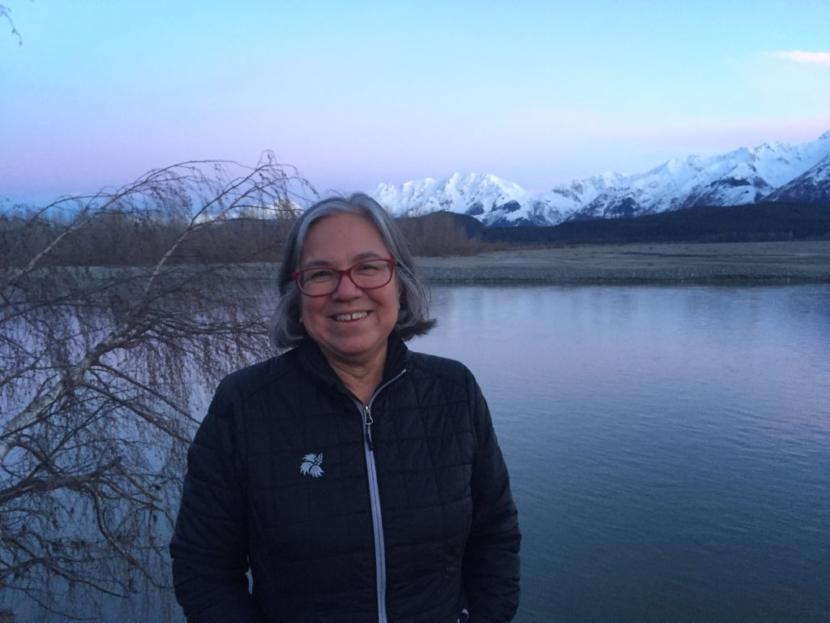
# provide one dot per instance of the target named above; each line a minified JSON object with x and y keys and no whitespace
{"x":768,"y":172}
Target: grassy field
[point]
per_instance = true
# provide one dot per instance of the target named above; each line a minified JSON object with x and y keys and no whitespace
{"x":745,"y":262}
{"x":702,"y":263}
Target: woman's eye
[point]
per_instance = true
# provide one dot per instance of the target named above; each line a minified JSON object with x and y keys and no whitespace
{"x":320,"y":275}
{"x":368,"y":268}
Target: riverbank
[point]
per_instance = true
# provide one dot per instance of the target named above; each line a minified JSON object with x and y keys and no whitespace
{"x":703,"y":263}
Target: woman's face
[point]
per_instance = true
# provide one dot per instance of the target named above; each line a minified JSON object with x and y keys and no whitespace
{"x":350,"y":325}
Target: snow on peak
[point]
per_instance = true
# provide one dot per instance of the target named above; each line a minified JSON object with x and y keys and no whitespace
{"x":744,"y":175}
{"x":472,"y":193}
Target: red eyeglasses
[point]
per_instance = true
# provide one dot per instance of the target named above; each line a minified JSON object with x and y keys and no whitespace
{"x":366,"y":275}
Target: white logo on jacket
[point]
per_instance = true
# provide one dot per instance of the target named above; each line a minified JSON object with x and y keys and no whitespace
{"x":312,"y":465}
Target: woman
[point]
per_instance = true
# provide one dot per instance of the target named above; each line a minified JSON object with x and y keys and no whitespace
{"x":359,"y":481}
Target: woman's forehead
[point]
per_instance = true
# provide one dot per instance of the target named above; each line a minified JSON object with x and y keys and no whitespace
{"x":342,"y":238}
{"x":307,"y":261}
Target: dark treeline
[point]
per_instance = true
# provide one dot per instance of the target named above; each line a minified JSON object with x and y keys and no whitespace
{"x":443,"y":233}
{"x":127,"y":239}
{"x":131,"y":239}
{"x":757,"y":222}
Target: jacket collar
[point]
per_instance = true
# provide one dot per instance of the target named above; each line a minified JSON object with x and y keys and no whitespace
{"x":313,"y":361}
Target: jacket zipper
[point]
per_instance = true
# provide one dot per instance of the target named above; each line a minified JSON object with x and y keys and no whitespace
{"x":374,"y":496}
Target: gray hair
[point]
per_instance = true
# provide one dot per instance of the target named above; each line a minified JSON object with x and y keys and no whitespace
{"x":413,"y":318}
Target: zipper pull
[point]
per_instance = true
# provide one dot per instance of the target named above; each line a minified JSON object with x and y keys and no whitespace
{"x":367,"y":422}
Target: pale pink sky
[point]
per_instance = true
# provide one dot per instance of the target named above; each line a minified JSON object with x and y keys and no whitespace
{"x":355,"y":94}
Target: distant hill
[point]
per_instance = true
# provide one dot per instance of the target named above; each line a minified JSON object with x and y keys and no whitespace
{"x":763,"y":221}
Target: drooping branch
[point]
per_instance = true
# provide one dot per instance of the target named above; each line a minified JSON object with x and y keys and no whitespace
{"x":116,"y":310}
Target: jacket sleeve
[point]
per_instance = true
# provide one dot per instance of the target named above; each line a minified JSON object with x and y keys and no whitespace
{"x":210,"y":542}
{"x":491,"y":558}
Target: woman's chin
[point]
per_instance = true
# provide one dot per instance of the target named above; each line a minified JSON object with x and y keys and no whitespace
{"x":357,"y":349}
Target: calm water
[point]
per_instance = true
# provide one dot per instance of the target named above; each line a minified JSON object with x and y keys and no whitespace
{"x":669,"y":447}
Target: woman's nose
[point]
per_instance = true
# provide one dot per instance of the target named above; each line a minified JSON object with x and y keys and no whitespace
{"x":346,"y":288}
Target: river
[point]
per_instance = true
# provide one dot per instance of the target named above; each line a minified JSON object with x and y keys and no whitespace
{"x":669,"y":448}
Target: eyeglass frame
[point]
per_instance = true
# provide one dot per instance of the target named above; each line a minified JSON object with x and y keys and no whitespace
{"x":390,"y":261}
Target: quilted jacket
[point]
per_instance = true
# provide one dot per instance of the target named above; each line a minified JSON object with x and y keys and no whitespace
{"x":398,"y":510}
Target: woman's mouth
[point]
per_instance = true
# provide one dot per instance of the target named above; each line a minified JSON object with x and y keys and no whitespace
{"x":351,"y":317}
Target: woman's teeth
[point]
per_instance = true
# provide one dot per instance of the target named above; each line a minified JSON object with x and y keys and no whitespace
{"x":352,"y":316}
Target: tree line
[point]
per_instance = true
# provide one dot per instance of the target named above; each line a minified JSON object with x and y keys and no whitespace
{"x":747,"y":223}
{"x":126,"y":234}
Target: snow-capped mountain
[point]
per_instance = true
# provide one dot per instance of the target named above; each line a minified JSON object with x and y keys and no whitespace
{"x":813,"y":187}
{"x":481,"y":196}
{"x":772,"y":171}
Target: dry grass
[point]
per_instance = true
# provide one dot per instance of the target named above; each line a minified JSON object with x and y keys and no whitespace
{"x":746,"y":262}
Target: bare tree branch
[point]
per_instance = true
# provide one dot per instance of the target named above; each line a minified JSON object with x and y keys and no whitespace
{"x":6,"y":14}
{"x":119,"y":310}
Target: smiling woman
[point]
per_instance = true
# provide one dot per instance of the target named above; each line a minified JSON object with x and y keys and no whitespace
{"x":359,"y":481}
{"x":350,"y":323}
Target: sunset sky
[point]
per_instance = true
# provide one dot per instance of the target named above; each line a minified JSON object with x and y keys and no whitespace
{"x":354,"y":93}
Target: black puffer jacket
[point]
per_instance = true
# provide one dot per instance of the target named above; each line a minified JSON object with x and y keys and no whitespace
{"x":285,"y":475}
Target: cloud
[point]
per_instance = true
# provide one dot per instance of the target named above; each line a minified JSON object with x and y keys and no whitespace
{"x":804,"y":58}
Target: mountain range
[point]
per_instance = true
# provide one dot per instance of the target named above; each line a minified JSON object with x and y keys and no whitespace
{"x":771,"y":172}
